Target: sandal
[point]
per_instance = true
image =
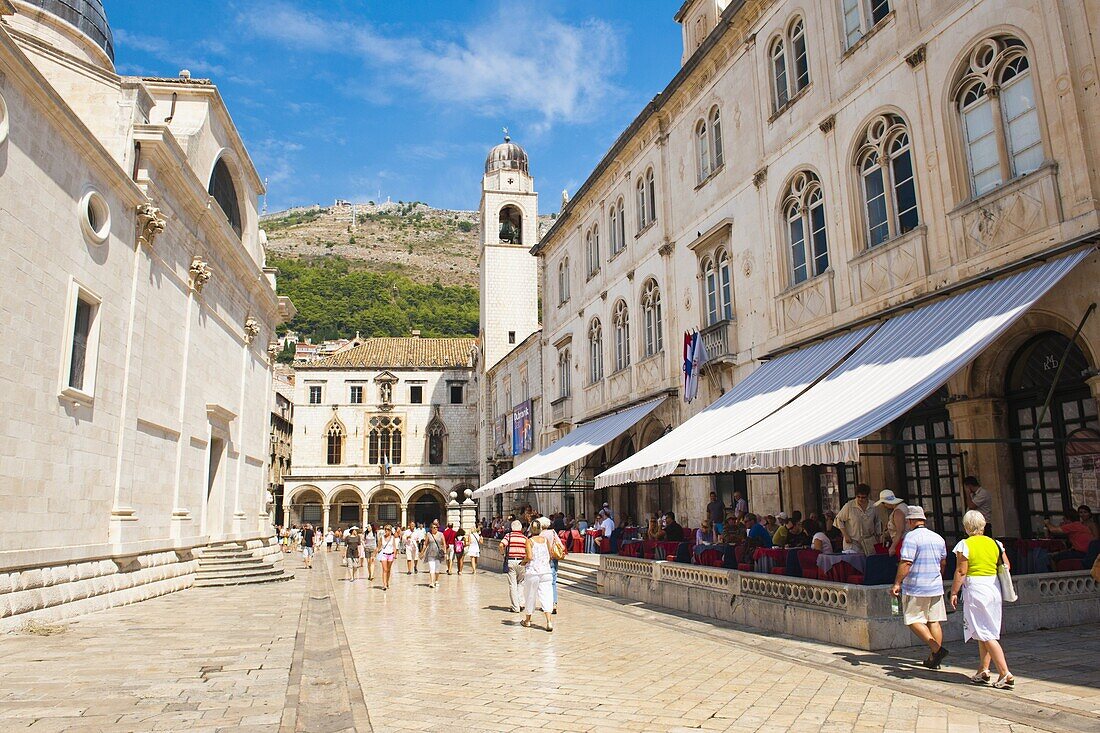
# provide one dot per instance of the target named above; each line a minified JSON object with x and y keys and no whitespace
{"x":980,"y":678}
{"x":550,"y":627}
{"x":526,"y":623}
{"x":1005,"y":682}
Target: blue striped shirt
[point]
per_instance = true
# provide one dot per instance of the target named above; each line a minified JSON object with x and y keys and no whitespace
{"x":926,"y":550}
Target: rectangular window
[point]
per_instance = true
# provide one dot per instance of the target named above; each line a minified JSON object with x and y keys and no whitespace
{"x":511,"y":337}
{"x":416,"y":394}
{"x":82,"y":329}
{"x":356,"y":394}
{"x":456,"y":394}
{"x":315,"y":394}
{"x":81,"y":351}
{"x":852,"y":30}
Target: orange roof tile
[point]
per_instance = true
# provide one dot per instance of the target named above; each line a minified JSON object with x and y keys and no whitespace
{"x":383,"y":353}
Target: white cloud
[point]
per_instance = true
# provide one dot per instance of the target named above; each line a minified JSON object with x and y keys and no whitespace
{"x":519,"y":60}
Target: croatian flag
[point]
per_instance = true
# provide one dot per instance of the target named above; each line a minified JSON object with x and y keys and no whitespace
{"x":695,"y":356}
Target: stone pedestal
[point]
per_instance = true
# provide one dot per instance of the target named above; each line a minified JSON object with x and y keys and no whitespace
{"x":181,"y":523}
{"x":468,"y":513}
{"x":982,"y":418}
{"x":454,"y":511}
{"x":123,"y":520}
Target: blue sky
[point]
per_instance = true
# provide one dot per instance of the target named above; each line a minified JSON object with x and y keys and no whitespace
{"x":349,"y":98}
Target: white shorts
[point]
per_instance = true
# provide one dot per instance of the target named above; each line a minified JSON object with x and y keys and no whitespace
{"x":923,"y":609}
{"x":307,"y":551}
{"x":433,"y":566}
{"x":410,"y":552}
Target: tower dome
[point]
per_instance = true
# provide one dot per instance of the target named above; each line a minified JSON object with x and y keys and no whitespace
{"x":87,"y":16}
{"x":506,"y":157}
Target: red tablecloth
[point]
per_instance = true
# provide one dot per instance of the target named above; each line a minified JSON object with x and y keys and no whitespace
{"x":766,"y":558}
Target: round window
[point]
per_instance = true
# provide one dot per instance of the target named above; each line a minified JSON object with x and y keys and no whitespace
{"x":3,"y":120}
{"x":95,"y":217}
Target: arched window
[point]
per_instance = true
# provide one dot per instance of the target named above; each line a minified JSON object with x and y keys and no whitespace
{"x":334,"y":438}
{"x":725,"y":285}
{"x":511,"y":225}
{"x":643,"y":210}
{"x":999,"y":114}
{"x":651,"y":194}
{"x":384,"y":440}
{"x":651,"y":316}
{"x":563,"y":281}
{"x":620,"y":225}
{"x":804,"y":213}
{"x":620,"y":316}
{"x":885,"y":165}
{"x":595,"y":351}
{"x":702,"y":150}
{"x":710,"y":288}
{"x":717,"y":157}
{"x":592,"y":246}
{"x":790,"y":63}
{"x":613,"y":230}
{"x":437,"y":435}
{"x":224,"y":192}
{"x":564,"y":373}
{"x":861,"y":16}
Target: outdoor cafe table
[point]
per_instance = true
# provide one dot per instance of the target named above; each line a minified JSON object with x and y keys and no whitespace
{"x":857,"y":560}
{"x":766,"y":558}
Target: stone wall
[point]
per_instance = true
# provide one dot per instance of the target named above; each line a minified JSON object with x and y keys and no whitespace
{"x":855,"y":616}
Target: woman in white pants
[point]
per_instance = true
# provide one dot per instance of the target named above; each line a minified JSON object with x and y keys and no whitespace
{"x":538,"y":580}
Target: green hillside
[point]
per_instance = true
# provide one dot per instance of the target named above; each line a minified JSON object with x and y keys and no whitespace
{"x":337,"y":297}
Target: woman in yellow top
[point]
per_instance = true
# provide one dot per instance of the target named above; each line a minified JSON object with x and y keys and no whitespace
{"x":977,"y":569}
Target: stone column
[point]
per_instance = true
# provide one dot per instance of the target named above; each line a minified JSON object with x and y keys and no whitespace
{"x":981,"y":418}
{"x":454,"y":510}
{"x":404,"y":515}
{"x":468,"y":513}
{"x":286,"y":514}
{"x":324,"y":518}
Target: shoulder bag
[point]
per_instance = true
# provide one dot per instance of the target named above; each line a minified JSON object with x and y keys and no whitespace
{"x":1004,"y":577}
{"x":557,"y":548}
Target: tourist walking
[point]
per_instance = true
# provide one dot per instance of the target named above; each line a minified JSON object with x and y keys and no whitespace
{"x":460,"y":548}
{"x":976,"y":571}
{"x":514,"y":549}
{"x":307,"y":545}
{"x":473,"y":549}
{"x":859,"y":523}
{"x":538,"y":582}
{"x":920,"y":576}
{"x":351,"y":552}
{"x":329,"y":538}
{"x":408,"y":541}
{"x":449,"y":535}
{"x":369,"y":550}
{"x":387,"y":553}
{"x":557,"y":549}
{"x":435,"y":551}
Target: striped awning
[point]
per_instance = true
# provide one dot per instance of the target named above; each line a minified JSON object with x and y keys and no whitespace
{"x":773,"y":384}
{"x":907,"y":359}
{"x":584,"y":440}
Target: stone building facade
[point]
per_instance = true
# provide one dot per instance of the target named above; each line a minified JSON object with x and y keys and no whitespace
{"x":814,"y":165}
{"x":282,"y":435}
{"x":134,"y":413}
{"x":382,"y":433}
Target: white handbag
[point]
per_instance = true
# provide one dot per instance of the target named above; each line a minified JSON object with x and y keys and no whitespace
{"x":1004,"y":577}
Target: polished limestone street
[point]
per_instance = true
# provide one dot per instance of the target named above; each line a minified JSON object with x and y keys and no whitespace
{"x":318,"y":653}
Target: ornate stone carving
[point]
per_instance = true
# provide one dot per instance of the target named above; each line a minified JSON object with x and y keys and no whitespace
{"x":827,"y":124}
{"x":200,"y":273}
{"x":667,"y":248}
{"x":1007,"y":216}
{"x":916,"y":57}
{"x":273,"y":351}
{"x":151,"y":222}
{"x":808,"y":302}
{"x":760,"y":176}
{"x":251,"y":329}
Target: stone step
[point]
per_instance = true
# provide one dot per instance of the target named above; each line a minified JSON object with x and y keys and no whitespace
{"x":241,"y":571}
{"x":223,"y":553}
{"x":207,"y":567}
{"x":248,"y":580}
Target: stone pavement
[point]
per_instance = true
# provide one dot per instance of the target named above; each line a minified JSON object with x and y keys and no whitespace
{"x":321,"y":654}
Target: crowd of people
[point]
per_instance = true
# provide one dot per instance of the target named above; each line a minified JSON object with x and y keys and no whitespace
{"x":423,"y":547}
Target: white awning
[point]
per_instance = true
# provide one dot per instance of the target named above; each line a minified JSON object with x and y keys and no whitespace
{"x":772,"y":385}
{"x":585,"y":439}
{"x":907,"y":359}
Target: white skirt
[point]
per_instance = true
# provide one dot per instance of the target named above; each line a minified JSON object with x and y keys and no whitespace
{"x":982,"y":608}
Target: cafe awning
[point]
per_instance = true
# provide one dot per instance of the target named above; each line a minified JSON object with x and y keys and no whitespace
{"x":773,"y":384}
{"x":585,"y":439}
{"x":907,"y":359}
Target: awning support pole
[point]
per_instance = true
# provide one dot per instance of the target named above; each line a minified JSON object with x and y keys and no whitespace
{"x":1058,"y":373}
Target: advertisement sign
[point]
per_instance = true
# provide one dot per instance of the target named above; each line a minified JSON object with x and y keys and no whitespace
{"x":523,"y":431}
{"x":500,"y":436}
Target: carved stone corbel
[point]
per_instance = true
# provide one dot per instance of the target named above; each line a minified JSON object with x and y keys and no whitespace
{"x":760,"y":176}
{"x":151,"y":223}
{"x":666,"y":249}
{"x":200,"y":273}
{"x":916,"y":56}
{"x":827,"y":124}
{"x":251,"y":329}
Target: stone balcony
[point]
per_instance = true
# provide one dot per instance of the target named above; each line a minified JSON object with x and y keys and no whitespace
{"x":720,"y":340}
{"x":561,"y":410}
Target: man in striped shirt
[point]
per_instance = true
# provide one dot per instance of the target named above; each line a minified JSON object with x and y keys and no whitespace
{"x":514,"y":549}
{"x":920,"y":576}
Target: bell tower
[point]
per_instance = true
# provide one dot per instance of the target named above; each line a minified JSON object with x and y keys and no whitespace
{"x":509,"y":272}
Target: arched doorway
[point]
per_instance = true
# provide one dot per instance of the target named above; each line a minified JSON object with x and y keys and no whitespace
{"x":305,"y":506}
{"x":384,"y":507}
{"x":426,"y":506}
{"x":930,"y":471}
{"x":346,"y":509}
{"x":1042,"y":467}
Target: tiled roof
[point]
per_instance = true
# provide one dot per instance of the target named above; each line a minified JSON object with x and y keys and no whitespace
{"x":382,"y":353}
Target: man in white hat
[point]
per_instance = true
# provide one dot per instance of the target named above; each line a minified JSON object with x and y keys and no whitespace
{"x":894,"y":523}
{"x":920,"y":576}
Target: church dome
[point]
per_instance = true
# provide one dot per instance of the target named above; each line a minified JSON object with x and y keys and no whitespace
{"x":87,"y":16}
{"x":506,"y":157}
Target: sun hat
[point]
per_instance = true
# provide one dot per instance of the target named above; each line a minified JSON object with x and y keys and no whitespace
{"x":915,"y":512}
{"x":782,"y":516}
{"x":887,"y":497}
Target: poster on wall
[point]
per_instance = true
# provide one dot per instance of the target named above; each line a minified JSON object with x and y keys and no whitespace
{"x":523,"y":433}
{"x":500,"y":435}
{"x":1083,"y":464}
